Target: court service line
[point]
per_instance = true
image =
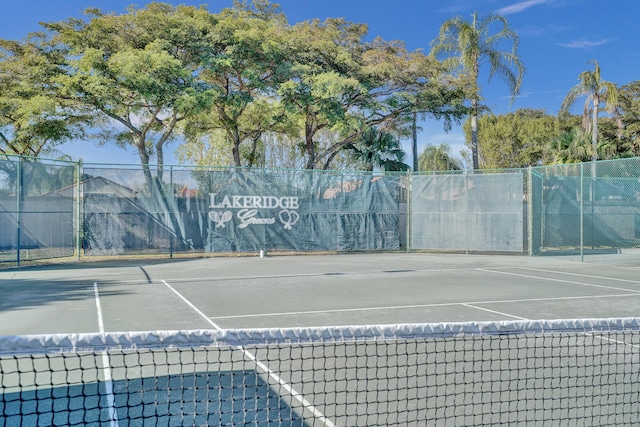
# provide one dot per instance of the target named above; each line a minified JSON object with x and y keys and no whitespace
{"x":591,"y":334}
{"x":295,"y":394}
{"x":401,"y":307}
{"x":613,"y":279}
{"x":106,"y":366}
{"x":528,"y":276}
{"x":494,"y":311}
{"x":316,"y":274}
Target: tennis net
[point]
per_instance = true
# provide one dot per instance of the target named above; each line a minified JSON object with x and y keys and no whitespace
{"x":572,"y":372}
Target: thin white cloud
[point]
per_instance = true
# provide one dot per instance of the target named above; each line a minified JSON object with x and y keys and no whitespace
{"x":584,"y":43}
{"x":520,"y":7}
{"x":537,"y":31}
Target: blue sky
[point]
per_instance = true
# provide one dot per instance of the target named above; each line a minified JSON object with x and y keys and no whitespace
{"x":557,"y":39}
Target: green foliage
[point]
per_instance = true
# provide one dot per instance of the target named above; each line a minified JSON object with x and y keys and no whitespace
{"x":136,"y":71}
{"x":596,"y":90}
{"x":466,"y":45}
{"x":378,"y":149}
{"x":438,"y":158}
{"x":33,"y":118}
{"x":513,"y":140}
{"x":629,"y":117}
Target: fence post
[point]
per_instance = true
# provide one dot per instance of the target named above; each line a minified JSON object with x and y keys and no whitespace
{"x":79,"y":216}
{"x":530,"y":210}
{"x":172,"y":231}
{"x":582,"y":212}
{"x":408,"y":218}
{"x":18,"y":208}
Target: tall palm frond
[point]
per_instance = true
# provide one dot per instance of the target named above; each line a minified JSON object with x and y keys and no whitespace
{"x":596,"y":91}
{"x":468,"y":45}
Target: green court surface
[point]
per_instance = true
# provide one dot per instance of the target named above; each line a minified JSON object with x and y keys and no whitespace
{"x":404,"y":373}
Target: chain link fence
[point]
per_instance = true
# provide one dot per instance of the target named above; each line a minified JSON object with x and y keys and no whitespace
{"x":37,"y":212}
{"x":54,"y":209}
{"x":587,"y":207}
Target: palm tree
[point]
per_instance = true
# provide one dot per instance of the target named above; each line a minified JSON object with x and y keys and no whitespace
{"x":438,"y":158}
{"x":569,"y":147}
{"x":469,"y":45}
{"x":377,"y":148}
{"x":597,"y":91}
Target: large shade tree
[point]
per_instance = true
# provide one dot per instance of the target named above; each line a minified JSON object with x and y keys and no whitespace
{"x":344,"y":84}
{"x":467,"y":45}
{"x":250,"y":59}
{"x":33,"y":121}
{"x":138,"y":71}
{"x":597,"y":92}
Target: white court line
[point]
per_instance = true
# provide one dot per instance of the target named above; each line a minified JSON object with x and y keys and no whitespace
{"x":591,"y":334}
{"x":494,"y":311}
{"x":297,"y":396}
{"x":106,"y":366}
{"x":528,"y":276}
{"x":193,"y":307}
{"x":613,"y":279}
{"x":402,"y":307}
{"x":294,"y":275}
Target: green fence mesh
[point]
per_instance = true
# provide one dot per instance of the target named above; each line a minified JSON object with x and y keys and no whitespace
{"x":235,"y":210}
{"x":49,"y":208}
{"x":36,"y":211}
{"x":587,"y":206}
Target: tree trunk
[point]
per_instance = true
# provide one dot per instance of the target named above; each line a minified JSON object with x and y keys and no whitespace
{"x":474,"y":135}
{"x":309,"y":132}
{"x":144,"y":159}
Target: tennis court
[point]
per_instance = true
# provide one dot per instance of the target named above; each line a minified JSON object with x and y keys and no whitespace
{"x":361,"y":339}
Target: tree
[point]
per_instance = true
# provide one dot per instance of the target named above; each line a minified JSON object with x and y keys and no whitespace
{"x":513,"y":140}
{"x":596,"y":91}
{"x":250,"y":58}
{"x":33,"y":119}
{"x":570,"y":147}
{"x":347,"y":86}
{"x":379,"y":149}
{"x":629,"y":115}
{"x":137,"y":71}
{"x":467,"y":46}
{"x":438,"y":158}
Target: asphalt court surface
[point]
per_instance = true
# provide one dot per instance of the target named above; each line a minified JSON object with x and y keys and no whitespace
{"x":309,"y":291}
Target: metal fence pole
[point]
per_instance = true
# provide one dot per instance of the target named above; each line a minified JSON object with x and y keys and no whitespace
{"x":172,"y":230}
{"x":529,"y":196}
{"x":79,"y":222}
{"x":19,"y":193}
{"x":408,"y":214}
{"x":581,"y":211}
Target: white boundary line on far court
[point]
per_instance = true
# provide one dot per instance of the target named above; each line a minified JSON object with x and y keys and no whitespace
{"x":106,"y":366}
{"x":404,"y":307}
{"x":296,"y":395}
{"x":551,"y":279}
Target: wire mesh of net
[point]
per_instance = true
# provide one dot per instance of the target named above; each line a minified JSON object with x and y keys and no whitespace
{"x":573,"y":372}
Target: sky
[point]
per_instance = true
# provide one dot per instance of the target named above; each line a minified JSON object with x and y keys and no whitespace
{"x":557,"y":39}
